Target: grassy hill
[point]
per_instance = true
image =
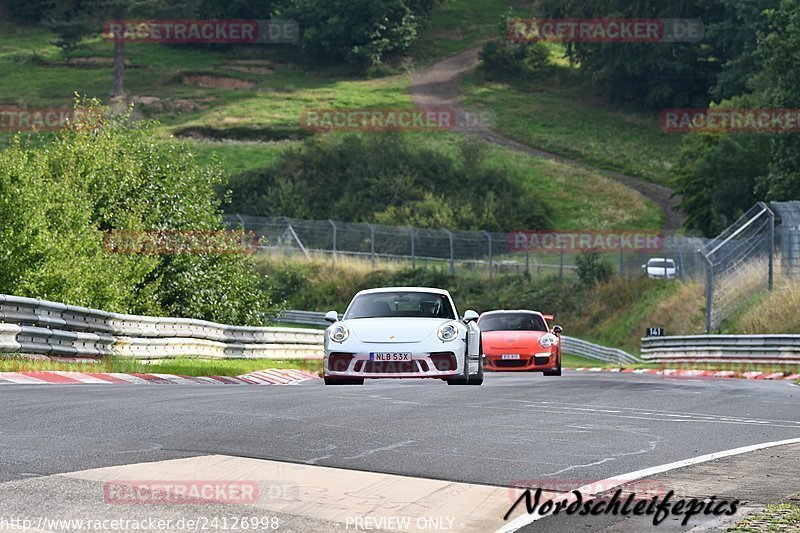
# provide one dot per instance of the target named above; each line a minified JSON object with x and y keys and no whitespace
{"x":240,"y":108}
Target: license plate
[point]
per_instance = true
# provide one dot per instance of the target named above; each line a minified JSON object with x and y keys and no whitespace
{"x":390,"y":356}
{"x":509,"y":356}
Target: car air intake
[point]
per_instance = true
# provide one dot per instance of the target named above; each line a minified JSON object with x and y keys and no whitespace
{"x":444,"y":361}
{"x":338,"y":362}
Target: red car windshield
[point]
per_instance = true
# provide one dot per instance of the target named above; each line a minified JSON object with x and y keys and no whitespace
{"x":512,"y":322}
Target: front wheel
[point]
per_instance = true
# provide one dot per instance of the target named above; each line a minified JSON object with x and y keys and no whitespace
{"x":343,"y":381}
{"x":477,"y":379}
{"x":556,"y":371}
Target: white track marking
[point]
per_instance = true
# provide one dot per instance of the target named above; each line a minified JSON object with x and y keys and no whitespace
{"x":616,"y":481}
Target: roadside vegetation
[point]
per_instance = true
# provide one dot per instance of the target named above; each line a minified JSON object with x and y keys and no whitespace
{"x":775,"y":518}
{"x":183,"y":366}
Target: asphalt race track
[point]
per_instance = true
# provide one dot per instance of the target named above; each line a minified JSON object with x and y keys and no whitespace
{"x":522,"y":429}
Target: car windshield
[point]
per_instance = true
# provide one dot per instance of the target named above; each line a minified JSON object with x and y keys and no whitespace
{"x":661,"y":264}
{"x":401,"y":304}
{"x":512,"y":322}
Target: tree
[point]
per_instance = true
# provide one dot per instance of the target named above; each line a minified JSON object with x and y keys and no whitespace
{"x":779,"y":82}
{"x":59,"y":198}
{"x":654,"y":75}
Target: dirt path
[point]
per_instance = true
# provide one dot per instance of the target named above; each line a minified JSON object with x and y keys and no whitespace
{"x":437,"y":85}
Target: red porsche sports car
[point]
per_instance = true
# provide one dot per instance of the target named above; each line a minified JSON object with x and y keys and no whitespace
{"x":520,"y":341}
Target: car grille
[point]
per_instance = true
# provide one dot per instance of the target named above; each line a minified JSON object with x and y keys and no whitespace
{"x":513,"y":363}
{"x":390,"y":367}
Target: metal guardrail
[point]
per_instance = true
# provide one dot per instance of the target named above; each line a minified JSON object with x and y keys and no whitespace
{"x":582,"y":348}
{"x":773,"y":349}
{"x":570,"y":345}
{"x":33,"y":326}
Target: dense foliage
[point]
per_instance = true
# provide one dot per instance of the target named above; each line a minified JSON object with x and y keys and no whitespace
{"x":721,"y":174}
{"x":358,"y":32}
{"x":390,"y":180}
{"x":59,"y":197}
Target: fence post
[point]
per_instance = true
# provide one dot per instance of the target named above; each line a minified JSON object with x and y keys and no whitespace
{"x":413,"y":250}
{"x":528,"y":256}
{"x":622,"y":258}
{"x":452,"y":253}
{"x":709,"y":292}
{"x":561,"y":264}
{"x":489,"y":238}
{"x":334,"y":238}
{"x":771,"y":245}
{"x":372,"y":242}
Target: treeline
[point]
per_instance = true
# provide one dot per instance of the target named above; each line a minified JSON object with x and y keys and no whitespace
{"x":61,"y":196}
{"x":332,"y":32}
{"x":389,"y":179}
{"x":748,"y":57}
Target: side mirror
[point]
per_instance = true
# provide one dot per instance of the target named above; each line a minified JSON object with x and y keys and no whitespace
{"x":470,"y":315}
{"x":557,"y":330}
{"x":331,"y":316}
{"x":644,"y":266}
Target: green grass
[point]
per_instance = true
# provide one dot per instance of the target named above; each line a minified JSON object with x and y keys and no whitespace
{"x":576,"y":361}
{"x":179,"y":366}
{"x":578,"y":198}
{"x":276,"y":101}
{"x":456,"y":25}
{"x":775,"y":518}
{"x":560,"y":117}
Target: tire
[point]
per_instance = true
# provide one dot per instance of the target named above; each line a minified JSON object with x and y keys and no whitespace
{"x":343,"y":381}
{"x":463,"y":379}
{"x":556,"y":371}
{"x":477,"y":379}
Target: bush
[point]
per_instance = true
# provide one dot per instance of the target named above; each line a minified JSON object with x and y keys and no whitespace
{"x":503,"y":60}
{"x":592,"y":270}
{"x":60,"y":196}
{"x":340,"y":177}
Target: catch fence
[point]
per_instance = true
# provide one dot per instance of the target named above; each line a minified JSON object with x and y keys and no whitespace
{"x":463,"y":252}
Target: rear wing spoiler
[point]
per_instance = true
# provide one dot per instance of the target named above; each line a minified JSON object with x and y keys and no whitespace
{"x":548,"y":317}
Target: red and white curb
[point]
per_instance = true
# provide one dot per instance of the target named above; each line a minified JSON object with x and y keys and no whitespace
{"x":718,"y":374}
{"x":261,"y":377}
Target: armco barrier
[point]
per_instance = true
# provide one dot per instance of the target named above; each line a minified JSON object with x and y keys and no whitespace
{"x":28,"y":325}
{"x":773,"y":349}
{"x":582,"y":348}
{"x":570,"y":345}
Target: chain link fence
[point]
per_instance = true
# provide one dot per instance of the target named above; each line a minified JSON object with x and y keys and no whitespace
{"x":745,"y":258}
{"x":469,"y":252}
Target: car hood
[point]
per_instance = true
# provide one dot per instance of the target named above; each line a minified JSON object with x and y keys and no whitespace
{"x":388,"y":330}
{"x":510,"y":340}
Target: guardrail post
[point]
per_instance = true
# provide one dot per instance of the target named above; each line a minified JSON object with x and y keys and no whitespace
{"x":334,"y":238}
{"x":561,"y":263}
{"x":528,"y":256}
{"x":452,"y":253}
{"x":489,"y":238}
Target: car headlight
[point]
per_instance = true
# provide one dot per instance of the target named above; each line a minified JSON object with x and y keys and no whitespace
{"x":448,"y":332}
{"x":547,"y":341}
{"x":339,"y":333}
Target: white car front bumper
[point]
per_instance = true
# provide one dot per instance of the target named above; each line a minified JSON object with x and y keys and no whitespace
{"x":428,"y":360}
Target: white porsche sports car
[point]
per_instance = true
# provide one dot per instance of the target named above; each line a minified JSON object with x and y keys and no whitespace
{"x":402,"y":332}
